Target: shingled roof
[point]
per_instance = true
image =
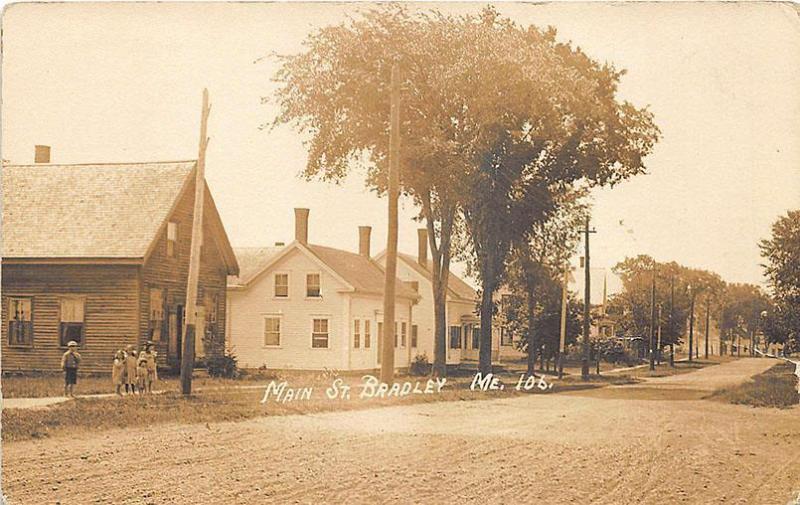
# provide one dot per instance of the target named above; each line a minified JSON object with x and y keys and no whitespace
{"x":108,"y":211}
{"x":363,"y":274}
{"x":455,"y":284}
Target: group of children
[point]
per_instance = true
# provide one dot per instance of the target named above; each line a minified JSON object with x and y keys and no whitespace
{"x":134,"y":370}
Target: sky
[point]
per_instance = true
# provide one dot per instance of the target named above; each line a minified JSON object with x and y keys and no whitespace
{"x":123,"y":82}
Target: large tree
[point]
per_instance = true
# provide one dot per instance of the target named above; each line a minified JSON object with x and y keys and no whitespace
{"x":541,"y":116}
{"x":742,"y":309}
{"x":336,"y":92}
{"x":781,"y":253}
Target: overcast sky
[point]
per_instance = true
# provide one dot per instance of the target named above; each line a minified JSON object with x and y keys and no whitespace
{"x":123,"y":82}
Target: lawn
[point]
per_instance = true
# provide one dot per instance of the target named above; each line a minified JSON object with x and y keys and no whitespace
{"x":218,"y":400}
{"x":774,"y":388}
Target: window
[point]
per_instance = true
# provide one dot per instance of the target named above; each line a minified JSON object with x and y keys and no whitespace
{"x":356,"y":334}
{"x":281,"y":285}
{"x":211,"y":302}
{"x":367,"y":342}
{"x":156,"y":313}
{"x":476,"y":336}
{"x":506,"y":306}
{"x":20,"y":321}
{"x":319,"y":334}
{"x":506,"y":337}
{"x":455,"y":337}
{"x":313,"y":286}
{"x":414,"y":335}
{"x":172,"y":239}
{"x":272,"y":331}
{"x":72,"y":321}
{"x":403,"y":333}
{"x":395,"y":334}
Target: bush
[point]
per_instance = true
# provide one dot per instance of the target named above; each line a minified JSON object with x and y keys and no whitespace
{"x":420,"y":365}
{"x":222,"y":366}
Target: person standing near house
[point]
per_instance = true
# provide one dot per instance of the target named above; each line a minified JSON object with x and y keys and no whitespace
{"x":149,"y":356}
{"x":70,"y":362}
{"x":130,"y":369}
{"x":118,"y":371}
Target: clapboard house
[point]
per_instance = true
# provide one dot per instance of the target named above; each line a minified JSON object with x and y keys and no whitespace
{"x":99,"y":254}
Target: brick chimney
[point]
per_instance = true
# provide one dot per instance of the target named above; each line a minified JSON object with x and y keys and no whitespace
{"x":364,"y":233}
{"x":422,"y":246}
{"x":41,"y":154}
{"x":301,"y":225}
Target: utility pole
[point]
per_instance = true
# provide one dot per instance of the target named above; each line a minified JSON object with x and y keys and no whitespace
{"x":658,"y":346}
{"x":586,"y":305}
{"x":653,"y":321}
{"x":708,"y":319}
{"x":563,"y":338}
{"x":691,"y":323}
{"x":387,"y":357}
{"x":671,"y":330}
{"x":187,"y":356}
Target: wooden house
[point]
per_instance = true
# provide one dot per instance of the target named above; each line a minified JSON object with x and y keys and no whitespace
{"x":98,"y":253}
{"x":311,"y":307}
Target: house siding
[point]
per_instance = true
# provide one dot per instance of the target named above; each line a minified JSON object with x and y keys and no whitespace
{"x":110,"y":314}
{"x":171,"y":275}
{"x":250,"y":306}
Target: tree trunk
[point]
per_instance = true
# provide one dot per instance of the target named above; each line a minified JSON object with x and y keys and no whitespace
{"x":439,"y":332}
{"x":487,"y":306}
{"x":531,"y":336}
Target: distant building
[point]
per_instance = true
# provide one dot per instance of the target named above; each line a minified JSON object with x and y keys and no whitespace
{"x":98,"y":253}
{"x":306,"y":306}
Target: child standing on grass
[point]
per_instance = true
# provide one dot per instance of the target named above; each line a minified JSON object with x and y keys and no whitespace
{"x":141,"y":373}
{"x":70,"y":362}
{"x":118,"y":371}
{"x":149,"y":356}
{"x":130,"y":370}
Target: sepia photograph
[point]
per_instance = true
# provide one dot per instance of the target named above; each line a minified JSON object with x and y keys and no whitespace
{"x":400,"y":253}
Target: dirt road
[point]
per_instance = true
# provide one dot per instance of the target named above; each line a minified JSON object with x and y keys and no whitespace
{"x":538,"y":448}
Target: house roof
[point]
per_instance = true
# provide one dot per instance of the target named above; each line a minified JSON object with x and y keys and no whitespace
{"x":96,"y":211}
{"x":252,"y":260}
{"x":362,"y":274}
{"x":455,"y":284}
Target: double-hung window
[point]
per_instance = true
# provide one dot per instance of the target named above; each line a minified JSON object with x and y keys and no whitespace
{"x":313,"y":286}
{"x":319,"y":334}
{"x":356,"y":334}
{"x":272,"y":331}
{"x":72,"y":325}
{"x":20,"y":321}
{"x":281,"y":285}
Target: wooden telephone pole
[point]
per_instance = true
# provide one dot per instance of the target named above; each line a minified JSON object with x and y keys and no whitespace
{"x":587,"y":300}
{"x":187,"y":356}
{"x":708,"y":320}
{"x":387,"y":354}
{"x":563,"y":338}
{"x":653,"y":322}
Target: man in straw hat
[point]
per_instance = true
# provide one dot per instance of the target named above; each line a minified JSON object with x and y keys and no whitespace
{"x":70,"y":362}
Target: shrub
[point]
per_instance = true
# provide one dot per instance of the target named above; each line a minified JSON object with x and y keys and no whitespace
{"x":420,"y":365}
{"x":222,"y":366}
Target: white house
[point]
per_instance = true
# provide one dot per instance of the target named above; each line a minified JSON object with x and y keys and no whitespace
{"x":463,"y":324}
{"x":306,"y":306}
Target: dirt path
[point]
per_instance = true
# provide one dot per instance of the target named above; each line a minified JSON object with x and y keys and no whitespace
{"x":543,"y":448}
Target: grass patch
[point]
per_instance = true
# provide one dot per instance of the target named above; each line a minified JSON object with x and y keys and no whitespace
{"x":774,"y":388}
{"x":218,"y":400}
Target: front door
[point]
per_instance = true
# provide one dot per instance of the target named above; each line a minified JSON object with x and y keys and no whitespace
{"x":175,"y":336}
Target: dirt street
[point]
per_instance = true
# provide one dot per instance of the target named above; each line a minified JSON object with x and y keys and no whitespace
{"x":538,"y":448}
